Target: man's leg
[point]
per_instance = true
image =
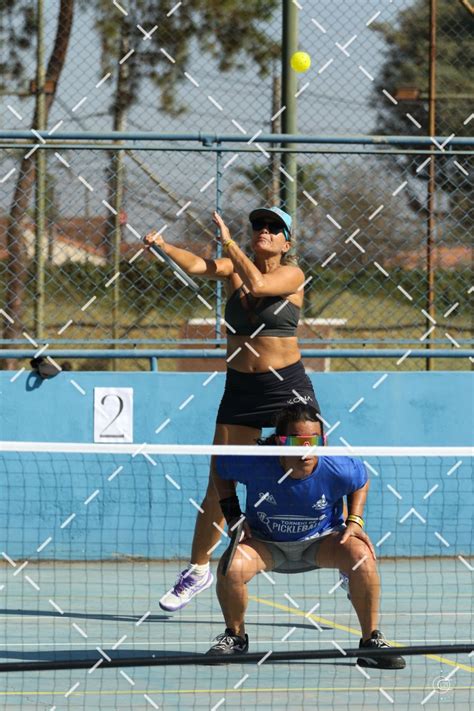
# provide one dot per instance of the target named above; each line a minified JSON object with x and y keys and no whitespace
{"x":250,"y":558}
{"x":355,"y":559}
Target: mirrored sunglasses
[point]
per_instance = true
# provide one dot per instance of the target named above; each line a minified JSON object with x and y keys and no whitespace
{"x":301,"y":440}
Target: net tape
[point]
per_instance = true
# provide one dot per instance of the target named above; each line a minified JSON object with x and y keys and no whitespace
{"x":235,"y":450}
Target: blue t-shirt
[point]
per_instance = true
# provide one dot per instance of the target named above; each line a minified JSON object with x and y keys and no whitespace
{"x":295,"y":509}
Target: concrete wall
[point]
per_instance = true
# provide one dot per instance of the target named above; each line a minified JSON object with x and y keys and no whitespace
{"x":141,"y":513}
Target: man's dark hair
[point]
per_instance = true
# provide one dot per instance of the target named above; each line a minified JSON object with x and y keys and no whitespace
{"x":300,"y":412}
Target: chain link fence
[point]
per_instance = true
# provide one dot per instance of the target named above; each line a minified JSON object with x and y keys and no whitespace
{"x":184,"y":58}
{"x":360,"y":239}
{"x":149,"y":65}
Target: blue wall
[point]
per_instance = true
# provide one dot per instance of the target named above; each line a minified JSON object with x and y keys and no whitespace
{"x":406,"y":409}
{"x":141,"y":513}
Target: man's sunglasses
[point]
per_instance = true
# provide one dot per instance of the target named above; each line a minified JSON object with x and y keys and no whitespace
{"x":302,"y":440}
{"x":273,"y":227}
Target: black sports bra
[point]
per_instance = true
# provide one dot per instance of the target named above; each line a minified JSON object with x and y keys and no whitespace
{"x":265,"y":316}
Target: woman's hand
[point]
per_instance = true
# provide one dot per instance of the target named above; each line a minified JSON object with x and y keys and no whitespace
{"x":354,"y":530}
{"x":154,"y":239}
{"x":224,"y":234}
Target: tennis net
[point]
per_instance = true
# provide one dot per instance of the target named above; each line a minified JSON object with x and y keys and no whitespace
{"x":94,"y":535}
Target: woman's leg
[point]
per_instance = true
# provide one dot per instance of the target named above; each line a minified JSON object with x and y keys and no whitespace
{"x":206,"y":534}
{"x":197,"y":576}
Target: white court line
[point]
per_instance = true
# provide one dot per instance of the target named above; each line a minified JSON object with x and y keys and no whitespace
{"x":218,"y":616}
{"x":323,"y":644}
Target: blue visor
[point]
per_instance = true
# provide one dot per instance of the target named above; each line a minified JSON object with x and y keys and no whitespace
{"x":275,"y":215}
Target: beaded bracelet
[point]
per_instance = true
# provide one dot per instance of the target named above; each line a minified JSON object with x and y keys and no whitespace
{"x":356,"y":519}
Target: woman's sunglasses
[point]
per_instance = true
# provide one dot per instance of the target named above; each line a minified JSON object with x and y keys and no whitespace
{"x":302,"y":440}
{"x":273,"y":227}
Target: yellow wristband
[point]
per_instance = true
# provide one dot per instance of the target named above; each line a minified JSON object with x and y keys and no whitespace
{"x":226,"y":244}
{"x":356,"y":519}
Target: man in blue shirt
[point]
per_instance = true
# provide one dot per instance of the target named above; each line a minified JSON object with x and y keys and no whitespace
{"x":294,"y":523}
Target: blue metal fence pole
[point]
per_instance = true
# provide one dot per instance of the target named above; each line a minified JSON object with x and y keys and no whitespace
{"x":209,"y":140}
{"x":145,"y":353}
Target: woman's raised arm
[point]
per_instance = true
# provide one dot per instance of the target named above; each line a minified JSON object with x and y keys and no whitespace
{"x":283,"y":281}
{"x":188,"y":261}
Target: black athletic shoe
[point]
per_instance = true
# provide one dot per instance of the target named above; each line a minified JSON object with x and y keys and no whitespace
{"x":229,"y":643}
{"x":386,"y":661}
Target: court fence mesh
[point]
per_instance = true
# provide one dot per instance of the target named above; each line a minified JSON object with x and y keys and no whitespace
{"x":93,"y":536}
{"x":361,"y":231}
{"x":145,"y":65}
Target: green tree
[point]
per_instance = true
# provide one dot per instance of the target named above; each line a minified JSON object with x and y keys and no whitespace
{"x":356,"y":191}
{"x":17,"y":28}
{"x":407,"y":64}
{"x":228,"y":31}
{"x":17,"y":36}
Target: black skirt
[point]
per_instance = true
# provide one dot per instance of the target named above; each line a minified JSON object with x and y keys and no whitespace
{"x":255,"y":399}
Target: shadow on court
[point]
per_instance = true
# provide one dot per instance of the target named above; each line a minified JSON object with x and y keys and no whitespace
{"x":422,"y":602}
{"x":151,"y":619}
{"x":85,"y":615}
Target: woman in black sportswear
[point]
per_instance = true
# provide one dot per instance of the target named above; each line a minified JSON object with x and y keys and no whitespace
{"x":264,"y":369}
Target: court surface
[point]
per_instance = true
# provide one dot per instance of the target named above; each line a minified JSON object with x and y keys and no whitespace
{"x":79,"y":607}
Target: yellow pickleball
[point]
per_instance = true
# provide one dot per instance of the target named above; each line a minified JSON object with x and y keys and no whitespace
{"x":300,"y":62}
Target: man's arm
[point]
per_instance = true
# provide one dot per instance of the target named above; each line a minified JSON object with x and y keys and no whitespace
{"x":224,"y":487}
{"x":355,"y":526}
{"x":356,"y":501}
{"x":228,"y":500}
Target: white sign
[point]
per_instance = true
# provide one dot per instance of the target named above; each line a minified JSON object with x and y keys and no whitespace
{"x":113,"y":415}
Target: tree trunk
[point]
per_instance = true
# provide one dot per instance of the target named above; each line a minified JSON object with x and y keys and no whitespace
{"x":16,"y":262}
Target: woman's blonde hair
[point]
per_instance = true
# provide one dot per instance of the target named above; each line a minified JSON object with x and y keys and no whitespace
{"x":289,"y":258}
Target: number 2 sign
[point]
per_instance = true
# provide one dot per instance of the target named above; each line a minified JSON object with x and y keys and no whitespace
{"x":113,"y":414}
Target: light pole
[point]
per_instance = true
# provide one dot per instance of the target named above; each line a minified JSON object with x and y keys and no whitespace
{"x":431,"y":190}
{"x":289,"y":122}
{"x":40,"y":182}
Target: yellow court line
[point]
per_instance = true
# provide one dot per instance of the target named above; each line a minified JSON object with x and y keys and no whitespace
{"x":351,"y":630}
{"x":274,"y":689}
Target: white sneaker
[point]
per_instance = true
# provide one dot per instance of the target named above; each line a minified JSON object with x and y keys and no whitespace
{"x":185,"y":588}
